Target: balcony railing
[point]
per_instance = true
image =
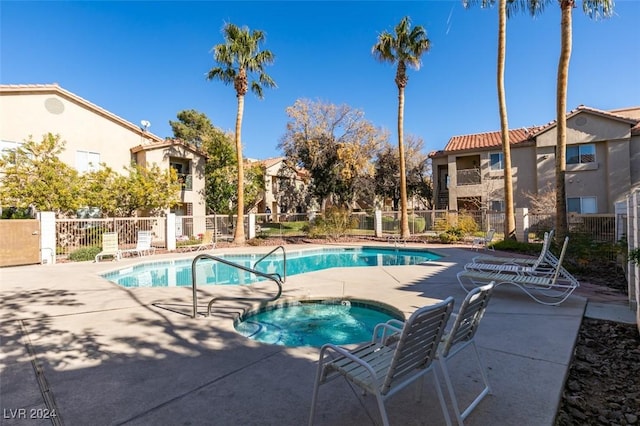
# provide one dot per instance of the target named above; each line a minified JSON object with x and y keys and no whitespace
{"x":468,"y":177}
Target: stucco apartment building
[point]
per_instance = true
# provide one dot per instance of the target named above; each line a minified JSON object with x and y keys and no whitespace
{"x":94,"y":135}
{"x":603,"y":163}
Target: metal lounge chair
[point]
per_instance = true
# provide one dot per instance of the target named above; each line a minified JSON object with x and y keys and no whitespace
{"x":462,"y":335}
{"x":109,"y":246}
{"x":547,"y":288}
{"x":544,"y":262}
{"x":383,"y":369}
{"x":143,"y":245}
{"x":483,"y":242}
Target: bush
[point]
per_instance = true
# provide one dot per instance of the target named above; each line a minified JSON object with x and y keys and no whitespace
{"x":417,"y":224}
{"x":85,"y":253}
{"x":389,"y":224}
{"x":532,"y":249}
{"x":467,"y":224}
{"x":634,"y":256}
{"x":333,"y":224}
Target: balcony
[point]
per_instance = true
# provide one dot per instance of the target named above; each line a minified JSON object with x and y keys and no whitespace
{"x":468,"y":177}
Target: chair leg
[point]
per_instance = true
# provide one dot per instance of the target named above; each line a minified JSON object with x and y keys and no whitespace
{"x":383,"y":411}
{"x":454,"y":401}
{"x":443,"y":405}
{"x":314,"y":398}
{"x":452,"y":394}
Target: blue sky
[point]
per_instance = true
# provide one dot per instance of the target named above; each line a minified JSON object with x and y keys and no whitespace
{"x":148,"y":60}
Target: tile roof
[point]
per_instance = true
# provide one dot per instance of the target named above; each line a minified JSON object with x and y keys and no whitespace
{"x":488,"y":140}
{"x":630,"y":115}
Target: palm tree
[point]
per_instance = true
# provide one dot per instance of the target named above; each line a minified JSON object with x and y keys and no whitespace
{"x":505,"y":9}
{"x":593,"y":8}
{"x":237,"y":58}
{"x":404,"y":49}
{"x":509,"y":214}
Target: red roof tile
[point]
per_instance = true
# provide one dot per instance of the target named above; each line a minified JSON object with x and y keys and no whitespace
{"x":488,"y":140}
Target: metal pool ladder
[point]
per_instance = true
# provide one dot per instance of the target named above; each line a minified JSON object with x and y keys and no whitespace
{"x":272,"y":277}
{"x":284,"y":261}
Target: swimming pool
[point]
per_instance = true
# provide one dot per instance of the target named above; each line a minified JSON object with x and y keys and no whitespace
{"x":315,"y":322}
{"x":177,"y":273}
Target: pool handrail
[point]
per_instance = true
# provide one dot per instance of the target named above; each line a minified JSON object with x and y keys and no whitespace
{"x":273,"y":277}
{"x":284,"y":261}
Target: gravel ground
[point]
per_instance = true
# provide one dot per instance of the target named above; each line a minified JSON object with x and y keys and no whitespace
{"x":603,"y":385}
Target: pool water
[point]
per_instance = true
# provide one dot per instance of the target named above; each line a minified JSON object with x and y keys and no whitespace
{"x":174,"y":273}
{"x":314,"y":323}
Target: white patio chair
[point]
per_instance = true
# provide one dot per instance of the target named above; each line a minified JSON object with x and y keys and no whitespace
{"x":143,"y":245}
{"x":544,"y":262}
{"x":462,"y":335}
{"x":548,"y":288}
{"x":109,"y":246}
{"x":382,"y":369}
{"x":483,"y":242}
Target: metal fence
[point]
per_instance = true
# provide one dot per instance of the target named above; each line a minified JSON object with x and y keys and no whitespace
{"x":76,"y":234}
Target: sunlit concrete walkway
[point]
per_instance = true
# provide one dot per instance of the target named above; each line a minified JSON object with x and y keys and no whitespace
{"x":100,"y":354}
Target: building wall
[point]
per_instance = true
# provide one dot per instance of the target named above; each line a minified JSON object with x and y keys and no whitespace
{"x":615,"y":171}
{"x":162,"y":154}
{"x":37,"y":114}
{"x":40,"y":109}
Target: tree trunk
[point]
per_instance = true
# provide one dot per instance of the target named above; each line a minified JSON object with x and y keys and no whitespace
{"x":509,"y":216}
{"x":238,"y":236}
{"x":404,"y":220}
{"x":561,"y":113}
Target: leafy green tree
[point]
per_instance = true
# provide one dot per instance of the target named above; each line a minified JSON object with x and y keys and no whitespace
{"x":335,"y":145}
{"x":33,"y":175}
{"x":97,"y":189}
{"x":237,"y":58}
{"x":149,"y":189}
{"x":403,"y":48}
{"x":254,"y":185}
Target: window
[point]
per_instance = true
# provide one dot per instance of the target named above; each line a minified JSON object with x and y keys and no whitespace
{"x":182,"y":170}
{"x":496,"y":205}
{"x":581,"y":154}
{"x":496,"y":161}
{"x":582,"y":205}
{"x":87,"y":161}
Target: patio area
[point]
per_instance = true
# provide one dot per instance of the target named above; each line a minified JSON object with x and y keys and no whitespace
{"x":101,"y":354}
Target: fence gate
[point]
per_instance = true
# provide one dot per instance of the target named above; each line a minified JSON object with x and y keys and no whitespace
{"x":19,"y":242}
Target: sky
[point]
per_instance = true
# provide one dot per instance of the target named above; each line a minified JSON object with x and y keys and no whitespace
{"x":147,"y":60}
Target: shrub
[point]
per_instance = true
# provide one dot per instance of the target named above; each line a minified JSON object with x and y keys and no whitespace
{"x":85,"y":253}
{"x":634,"y":256}
{"x":417,"y":224}
{"x":532,"y":249}
{"x":389,"y":223}
{"x":333,"y":224}
{"x":467,"y":224}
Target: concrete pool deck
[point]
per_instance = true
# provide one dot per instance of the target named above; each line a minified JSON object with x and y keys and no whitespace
{"x":101,"y":354}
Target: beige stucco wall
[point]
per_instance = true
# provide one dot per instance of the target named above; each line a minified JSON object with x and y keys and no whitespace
{"x":161,"y":156}
{"x":586,"y":127}
{"x":36,"y":114}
